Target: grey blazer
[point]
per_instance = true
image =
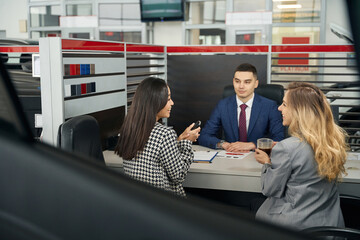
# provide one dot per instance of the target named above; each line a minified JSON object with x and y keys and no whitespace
{"x":297,"y":196}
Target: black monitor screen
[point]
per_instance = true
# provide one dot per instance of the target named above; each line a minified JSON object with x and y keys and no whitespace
{"x":162,"y":10}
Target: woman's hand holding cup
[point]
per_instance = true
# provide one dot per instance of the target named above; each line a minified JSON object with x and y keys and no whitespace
{"x":263,"y":151}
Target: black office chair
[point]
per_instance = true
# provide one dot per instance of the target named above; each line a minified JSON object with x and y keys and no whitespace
{"x":271,"y":91}
{"x":338,"y":233}
{"x":350,"y":207}
{"x":81,"y":135}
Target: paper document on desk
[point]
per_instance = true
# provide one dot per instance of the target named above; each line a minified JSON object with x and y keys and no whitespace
{"x":235,"y":155}
{"x":204,"y":156}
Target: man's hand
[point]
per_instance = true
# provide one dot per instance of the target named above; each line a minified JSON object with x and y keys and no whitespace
{"x":239,"y":146}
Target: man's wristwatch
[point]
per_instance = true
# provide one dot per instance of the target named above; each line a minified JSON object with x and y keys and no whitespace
{"x":219,"y":144}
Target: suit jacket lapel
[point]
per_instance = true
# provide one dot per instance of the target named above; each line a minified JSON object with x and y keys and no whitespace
{"x":232,"y":109}
{"x":255,"y":112}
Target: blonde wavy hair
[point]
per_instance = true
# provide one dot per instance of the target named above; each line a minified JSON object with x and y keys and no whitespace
{"x":312,"y":121}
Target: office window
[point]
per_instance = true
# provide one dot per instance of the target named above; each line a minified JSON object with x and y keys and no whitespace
{"x":211,"y":16}
{"x":301,"y":11}
{"x":207,"y":12}
{"x":44,"y":16}
{"x":247,"y":37}
{"x":206,"y":36}
{"x":79,"y":10}
{"x":133,"y":37}
{"x":298,"y":63}
{"x":249,"y":6}
{"x":110,"y":14}
{"x":281,"y":33}
{"x":119,"y":14}
{"x":82,"y":35}
{"x":131,"y":14}
{"x":39,"y":34}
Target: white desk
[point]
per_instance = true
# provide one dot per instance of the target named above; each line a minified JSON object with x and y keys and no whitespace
{"x":239,"y":174}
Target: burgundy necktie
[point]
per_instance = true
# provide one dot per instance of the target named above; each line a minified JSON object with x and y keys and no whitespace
{"x":242,"y":124}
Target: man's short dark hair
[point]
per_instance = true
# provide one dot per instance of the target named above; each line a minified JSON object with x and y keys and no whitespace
{"x":246,"y":67}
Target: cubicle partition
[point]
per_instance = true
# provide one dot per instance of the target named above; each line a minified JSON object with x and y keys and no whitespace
{"x":143,"y":61}
{"x":90,"y":77}
{"x":17,"y":60}
{"x":198,"y":74}
{"x":333,"y":68}
{"x":82,"y":77}
{"x":97,"y":78}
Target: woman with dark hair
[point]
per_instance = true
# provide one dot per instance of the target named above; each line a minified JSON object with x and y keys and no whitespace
{"x":152,"y":152}
{"x":300,"y":179}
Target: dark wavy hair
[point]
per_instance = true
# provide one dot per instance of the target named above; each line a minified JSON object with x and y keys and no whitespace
{"x":150,"y":97}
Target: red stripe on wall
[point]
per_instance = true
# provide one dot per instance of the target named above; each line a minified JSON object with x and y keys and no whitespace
{"x":71,"y":44}
{"x":144,"y":48}
{"x":22,"y":49}
{"x":68,"y":44}
{"x":193,"y":49}
{"x":313,"y":48}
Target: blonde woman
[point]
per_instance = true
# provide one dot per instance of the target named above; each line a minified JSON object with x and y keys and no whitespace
{"x":300,"y":178}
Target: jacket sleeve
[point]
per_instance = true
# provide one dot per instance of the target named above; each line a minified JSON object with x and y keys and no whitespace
{"x":208,"y":135}
{"x":274,"y":177}
{"x":176,"y":156}
{"x":276,"y":129}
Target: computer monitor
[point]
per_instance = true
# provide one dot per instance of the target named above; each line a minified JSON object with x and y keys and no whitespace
{"x":162,"y":10}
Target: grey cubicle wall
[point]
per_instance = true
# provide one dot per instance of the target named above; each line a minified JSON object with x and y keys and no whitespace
{"x":143,"y":60}
{"x":108,"y":81}
{"x":197,"y":83}
{"x":82,"y":77}
{"x":103,"y":88}
{"x":18,"y":64}
{"x":197,"y":74}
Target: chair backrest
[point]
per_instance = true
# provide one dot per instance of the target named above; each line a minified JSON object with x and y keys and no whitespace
{"x":339,"y":233}
{"x":350,"y":207}
{"x":271,"y":91}
{"x":228,"y":91}
{"x":81,"y":135}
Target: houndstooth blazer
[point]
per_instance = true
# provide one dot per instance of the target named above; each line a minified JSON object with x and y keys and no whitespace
{"x":164,"y":161}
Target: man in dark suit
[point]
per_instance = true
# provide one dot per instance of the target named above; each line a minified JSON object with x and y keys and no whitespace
{"x":244,"y":117}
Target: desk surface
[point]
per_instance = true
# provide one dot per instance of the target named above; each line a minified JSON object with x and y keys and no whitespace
{"x":231,"y":174}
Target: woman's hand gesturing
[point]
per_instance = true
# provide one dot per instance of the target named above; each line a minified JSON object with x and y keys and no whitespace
{"x":189,"y":134}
